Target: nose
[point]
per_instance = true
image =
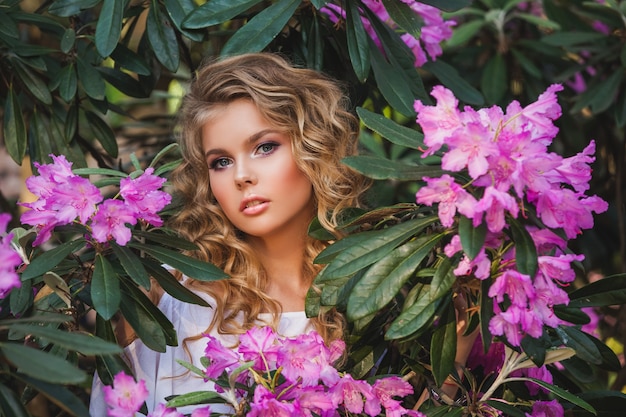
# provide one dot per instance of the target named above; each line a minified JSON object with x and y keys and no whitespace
{"x":244,"y":176}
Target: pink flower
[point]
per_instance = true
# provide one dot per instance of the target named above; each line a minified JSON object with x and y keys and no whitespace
{"x":491,"y":361}
{"x":438,"y":122}
{"x":469,"y":148}
{"x":300,"y":359}
{"x":494,"y":203}
{"x":450,"y":196}
{"x":110,"y":222}
{"x":220,"y":356}
{"x":201,"y":412}
{"x":547,"y":409}
{"x":259,"y":345}
{"x":559,"y":267}
{"x":9,"y":259}
{"x":547,"y":295}
{"x":576,"y":170}
{"x":265,"y":404}
{"x":480,"y":266}
{"x":537,"y":117}
{"x":162,"y":411}
{"x":143,"y":196}
{"x":125,"y":397}
{"x":516,"y":286}
{"x":385,"y":389}
{"x":356,"y":395}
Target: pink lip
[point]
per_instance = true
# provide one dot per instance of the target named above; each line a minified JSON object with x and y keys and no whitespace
{"x":260,"y":204}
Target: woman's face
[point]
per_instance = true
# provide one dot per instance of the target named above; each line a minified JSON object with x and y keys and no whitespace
{"x":253,"y":174}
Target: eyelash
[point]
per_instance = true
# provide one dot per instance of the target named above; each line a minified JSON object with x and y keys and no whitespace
{"x":215,"y":164}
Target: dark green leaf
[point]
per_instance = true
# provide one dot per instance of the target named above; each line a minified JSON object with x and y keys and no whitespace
{"x":38,"y":137}
{"x":449,"y":77}
{"x":494,"y":82}
{"x":528,"y":65}
{"x":171,"y":285}
{"x":580,"y":342}
{"x":128,"y":59}
{"x":90,"y":79}
{"x":610,"y":361}
{"x":10,"y":405}
{"x":570,"y":38}
{"x":51,"y":258}
{"x":42,"y":365}
{"x":560,"y":392}
{"x":215,"y":12}
{"x":599,"y":96}
{"x":109,"y":26}
{"x":413,"y":318}
{"x":261,"y":29}
{"x":68,"y":83}
{"x":385,"y":169}
{"x":151,"y":325}
{"x":538,"y":21}
{"x":66,"y":8}
{"x":535,"y":348}
{"x":608,"y":291}
{"x":103,"y":133}
{"x":74,"y":341}
{"x":124,"y":82}
{"x":508,"y":410}
{"x":486,"y":313}
{"x":132,"y":265}
{"x":32,"y":82}
{"x":68,"y":39}
{"x":472,"y":238}
{"x":162,"y":38}
{"x":197,"y":397}
{"x":373,"y":248}
{"x":58,"y":395}
{"x":319,"y":3}
{"x":191,"y":267}
{"x":166,"y":239}
{"x":448,"y":5}
{"x":392,"y":83}
{"x":402,"y":14}
{"x":525,"y":250}
{"x":14,"y":128}
{"x":465,"y":32}
{"x":21,"y":299}
{"x":443,"y":279}
{"x":178,"y":10}
{"x":572,"y":315}
{"x":443,"y":346}
{"x":385,"y":278}
{"x":8,"y":26}
{"x":357,"y":40}
{"x":105,"y":288}
{"x":391,"y":130}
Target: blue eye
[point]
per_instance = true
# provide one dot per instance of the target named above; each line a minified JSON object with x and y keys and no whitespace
{"x":266,"y":148}
{"x":219,"y":163}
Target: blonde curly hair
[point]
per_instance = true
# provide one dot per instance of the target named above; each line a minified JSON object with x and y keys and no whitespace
{"x":313,"y":110}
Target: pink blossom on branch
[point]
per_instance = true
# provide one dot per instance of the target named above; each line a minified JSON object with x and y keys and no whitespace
{"x":125,"y":397}
{"x":9,"y":259}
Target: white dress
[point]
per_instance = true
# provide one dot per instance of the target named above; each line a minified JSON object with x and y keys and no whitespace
{"x":160,"y":370}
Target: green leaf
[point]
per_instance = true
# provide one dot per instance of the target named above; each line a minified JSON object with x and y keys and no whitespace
{"x":448,"y":5}
{"x":151,"y":325}
{"x":90,"y":79}
{"x":385,"y":169}
{"x":68,"y":83}
{"x":196,"y":397}
{"x":443,"y":279}
{"x":494,"y":82}
{"x":172,"y":286}
{"x":374,"y":247}
{"x":464,"y":33}
{"x":128,"y":59}
{"x":215,"y":12}
{"x":109,"y":26}
{"x":32,"y":82}
{"x":191,"y":267}
{"x":394,"y":132}
{"x":103,"y":133}
{"x":124,"y":82}
{"x":51,"y":258}
{"x":10,"y":405}
{"x":385,"y":278}
{"x":610,"y":290}
{"x":132,"y":265}
{"x":472,"y":238}
{"x":105,"y":288}
{"x":414,"y":318}
{"x":14,"y":128}
{"x":392,"y":83}
{"x":527,"y":64}
{"x":402,"y":14}
{"x":601,"y":95}
{"x":58,"y":395}
{"x":580,"y":342}
{"x":319,"y":3}
{"x":507,"y":409}
{"x":8,"y":26}
{"x":525,"y":250}
{"x":539,"y":21}
{"x":178,"y":10}
{"x":162,"y":37}
{"x":572,"y":315}
{"x":261,"y":29}
{"x":42,"y":365}
{"x":559,"y":392}
{"x":571,"y":38}
{"x":357,"y":40}
{"x":21,"y":299}
{"x":449,"y":77}
{"x":67,"y":8}
{"x":166,"y":239}
{"x":74,"y":341}
{"x":486,"y":313}
{"x":67,"y":41}
{"x":443,"y":346}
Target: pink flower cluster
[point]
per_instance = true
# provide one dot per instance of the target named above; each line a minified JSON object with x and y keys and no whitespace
{"x":126,"y":397}
{"x":64,"y":197}
{"x":9,"y":259}
{"x":434,"y":30}
{"x":506,"y":157}
{"x":306,"y":382}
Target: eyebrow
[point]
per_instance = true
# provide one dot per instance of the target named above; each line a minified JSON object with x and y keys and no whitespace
{"x":252,"y":139}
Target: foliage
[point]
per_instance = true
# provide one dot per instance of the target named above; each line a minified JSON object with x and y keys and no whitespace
{"x":76,"y":76}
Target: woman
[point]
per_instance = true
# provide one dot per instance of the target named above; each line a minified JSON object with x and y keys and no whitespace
{"x":262,"y":143}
